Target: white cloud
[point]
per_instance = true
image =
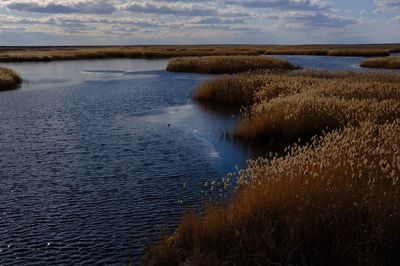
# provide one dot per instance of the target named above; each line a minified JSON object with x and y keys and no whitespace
{"x":163,"y":19}
{"x":61,"y":6}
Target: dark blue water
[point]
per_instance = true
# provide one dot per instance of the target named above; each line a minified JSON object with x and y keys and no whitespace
{"x":332,"y":63}
{"x":98,"y":158}
{"x":326,"y":62}
{"x":91,"y":171}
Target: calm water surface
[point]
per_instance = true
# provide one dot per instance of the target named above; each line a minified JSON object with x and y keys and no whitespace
{"x":98,"y":158}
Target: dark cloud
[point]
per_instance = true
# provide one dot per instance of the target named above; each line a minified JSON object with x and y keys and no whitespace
{"x":100,"y":7}
{"x":388,"y":5}
{"x":282,"y":4}
{"x":314,"y":19}
{"x":182,"y":9}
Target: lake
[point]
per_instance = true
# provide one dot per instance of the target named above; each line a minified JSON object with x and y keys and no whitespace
{"x":99,"y":158}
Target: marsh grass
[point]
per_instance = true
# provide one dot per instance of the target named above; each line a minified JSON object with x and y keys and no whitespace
{"x":332,"y":202}
{"x":233,"y":90}
{"x":359,"y":52}
{"x":227,"y":64}
{"x":286,"y":106}
{"x":392,"y":62}
{"x":9,"y":79}
{"x":331,"y":199}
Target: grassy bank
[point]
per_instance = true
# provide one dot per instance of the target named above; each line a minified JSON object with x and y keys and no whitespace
{"x":227,"y":64}
{"x":9,"y":79}
{"x":392,"y":62}
{"x":22,"y":54}
{"x":301,"y":104}
{"x":333,"y":202}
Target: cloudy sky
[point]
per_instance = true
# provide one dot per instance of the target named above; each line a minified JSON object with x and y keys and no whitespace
{"x":55,"y":22}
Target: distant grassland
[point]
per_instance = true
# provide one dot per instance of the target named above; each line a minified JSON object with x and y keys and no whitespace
{"x":392,"y":62}
{"x":227,"y":64}
{"x":9,"y":79}
{"x":21,"y":54}
{"x":331,"y":199}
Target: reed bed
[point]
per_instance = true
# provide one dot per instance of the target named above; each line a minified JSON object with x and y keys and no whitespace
{"x":392,"y":62}
{"x":332,"y":202}
{"x":358,"y":52}
{"x":9,"y":79}
{"x":286,"y":106}
{"x":227,"y":64}
{"x":332,"y":198}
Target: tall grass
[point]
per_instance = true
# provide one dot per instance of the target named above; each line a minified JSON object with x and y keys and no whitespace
{"x":333,"y":202}
{"x":392,"y":62}
{"x":227,"y":64}
{"x":231,"y":90}
{"x":288,"y":105}
{"x":9,"y":79}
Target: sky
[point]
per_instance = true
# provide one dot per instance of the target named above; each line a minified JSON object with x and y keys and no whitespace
{"x":113,"y":22}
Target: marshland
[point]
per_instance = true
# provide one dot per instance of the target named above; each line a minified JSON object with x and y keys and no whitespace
{"x":24,"y":54}
{"x":330,"y":198}
{"x":120,"y":161}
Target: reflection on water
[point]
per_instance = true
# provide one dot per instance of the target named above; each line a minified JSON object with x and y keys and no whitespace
{"x":98,"y":157}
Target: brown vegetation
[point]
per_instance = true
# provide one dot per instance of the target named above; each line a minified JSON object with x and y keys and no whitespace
{"x":16,"y":54}
{"x":392,"y":62}
{"x":333,"y":202}
{"x":227,"y":64}
{"x":358,"y":52}
{"x":291,"y":105}
{"x":9,"y":79}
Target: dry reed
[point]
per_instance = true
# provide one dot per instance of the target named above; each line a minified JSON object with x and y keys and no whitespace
{"x":227,"y":64}
{"x":288,"y":105}
{"x":392,"y":62}
{"x":9,"y":79}
{"x":333,"y":202}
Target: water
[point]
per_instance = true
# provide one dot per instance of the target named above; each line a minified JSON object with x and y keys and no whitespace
{"x":98,"y":158}
{"x":326,"y":62}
